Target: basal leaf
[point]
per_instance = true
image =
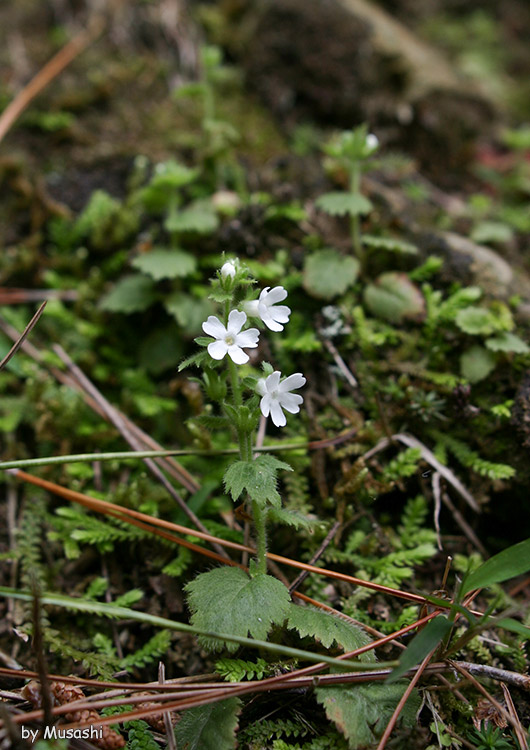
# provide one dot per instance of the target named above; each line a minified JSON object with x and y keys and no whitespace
{"x":342,"y":203}
{"x":476,"y":363}
{"x":189,"y":312}
{"x":257,"y":477}
{"x":227,"y":600}
{"x":394,"y":297}
{"x":160,"y":263}
{"x":361,"y":712}
{"x":198,"y":217}
{"x":209,"y":727}
{"x":130,"y":294}
{"x":509,"y":563}
{"x":422,"y":643}
{"x":328,"y":629}
{"x":507,"y":342}
{"x":476,"y":320}
{"x":327,"y":273}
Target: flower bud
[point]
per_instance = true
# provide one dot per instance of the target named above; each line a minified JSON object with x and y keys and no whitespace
{"x":228,"y":269}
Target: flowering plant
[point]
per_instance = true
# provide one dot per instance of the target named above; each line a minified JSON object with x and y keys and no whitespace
{"x":228,"y":340}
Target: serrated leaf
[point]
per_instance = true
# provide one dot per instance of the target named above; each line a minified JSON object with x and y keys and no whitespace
{"x":422,"y":644}
{"x":209,"y":727}
{"x":130,"y":294}
{"x":389,"y":243}
{"x":361,"y":712}
{"x":199,"y":217}
{"x":227,"y":600}
{"x":475,"y":320}
{"x":340,"y":204}
{"x":257,"y":477}
{"x":394,"y":297}
{"x":476,"y":364}
{"x":196,"y":359}
{"x":328,"y":629}
{"x":509,"y":563}
{"x":165,"y":264}
{"x":327,"y":273}
{"x":507,"y":342}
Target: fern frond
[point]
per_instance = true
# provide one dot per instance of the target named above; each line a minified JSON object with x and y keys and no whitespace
{"x":236,"y":670}
{"x":153,"y":649}
{"x":471,"y":459}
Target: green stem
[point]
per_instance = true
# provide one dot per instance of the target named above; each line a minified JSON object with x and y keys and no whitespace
{"x":260,"y":523}
{"x":355,"y":227}
{"x":234,"y":382}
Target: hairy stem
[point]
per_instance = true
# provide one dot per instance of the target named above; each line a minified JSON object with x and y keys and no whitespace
{"x":260,"y":524}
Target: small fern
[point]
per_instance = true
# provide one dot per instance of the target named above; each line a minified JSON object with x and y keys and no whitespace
{"x":404,"y":465}
{"x":140,"y":736}
{"x":471,"y":459}
{"x":264,"y":731}
{"x":235,"y":670}
{"x":153,"y":649}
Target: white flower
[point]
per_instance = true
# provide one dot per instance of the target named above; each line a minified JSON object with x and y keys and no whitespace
{"x":230,"y":339}
{"x":228,"y":269}
{"x":276,"y":396}
{"x":265,"y":307}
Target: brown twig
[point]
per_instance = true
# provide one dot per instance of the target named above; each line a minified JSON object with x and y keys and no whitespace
{"x":50,"y":71}
{"x":318,"y":554}
{"x":18,"y":343}
{"x":117,"y":420}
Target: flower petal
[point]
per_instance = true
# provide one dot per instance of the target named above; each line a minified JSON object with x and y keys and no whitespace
{"x":276,"y":295}
{"x":213,"y":327}
{"x":236,"y":321}
{"x":280,"y":313}
{"x":261,"y":388}
{"x":217,"y":349}
{"x":265,"y":405}
{"x":294,"y":381}
{"x":248,"y":338}
{"x":269,"y":321}
{"x":273,"y":381}
{"x":291,"y":402}
{"x":237,"y":355}
{"x":278,"y":417}
{"x":251,"y":308}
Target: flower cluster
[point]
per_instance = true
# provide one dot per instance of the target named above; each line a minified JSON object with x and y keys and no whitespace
{"x":230,"y":338}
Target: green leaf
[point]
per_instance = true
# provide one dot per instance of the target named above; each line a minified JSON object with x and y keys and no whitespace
{"x":199,"y":217}
{"x":476,"y":364}
{"x":394,"y":297}
{"x":389,"y":243}
{"x":509,"y":563}
{"x":189,"y":312}
{"x":422,"y":644}
{"x":508,"y":623}
{"x":130,"y":294}
{"x":327,"y":273}
{"x":257,"y":477}
{"x":476,"y":320}
{"x":209,"y":727}
{"x":165,"y":264}
{"x":362,"y":712}
{"x":227,"y":600}
{"x":340,"y":204}
{"x":328,"y":629}
{"x":507,"y":342}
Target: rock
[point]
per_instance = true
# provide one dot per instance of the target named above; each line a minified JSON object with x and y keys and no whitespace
{"x":341,"y":62}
